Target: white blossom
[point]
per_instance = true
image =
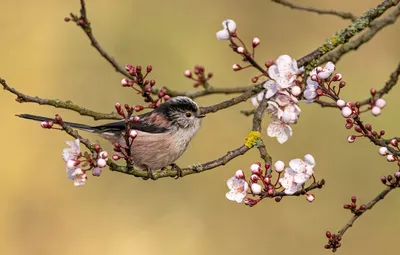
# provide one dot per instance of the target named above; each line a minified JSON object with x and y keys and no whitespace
{"x":78,"y":176}
{"x":238,"y":189}
{"x":327,"y":70}
{"x":72,"y":152}
{"x":284,"y":72}
{"x":303,"y":169}
{"x":288,"y":182}
{"x":280,"y":130}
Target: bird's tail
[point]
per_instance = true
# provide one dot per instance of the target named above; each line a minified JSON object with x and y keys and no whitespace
{"x":71,"y":124}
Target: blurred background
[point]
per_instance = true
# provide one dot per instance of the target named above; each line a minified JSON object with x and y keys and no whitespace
{"x":41,"y":212}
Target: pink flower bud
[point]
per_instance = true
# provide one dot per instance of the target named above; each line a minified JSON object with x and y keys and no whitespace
{"x":255,"y":169}
{"x":295,"y":90}
{"x":254,"y":178}
{"x":133,"y":134}
{"x":240,"y":49}
{"x":314,"y":77}
{"x":390,"y":158}
{"x":346,"y":112}
{"x":337,"y":77}
{"x":341,"y":103}
{"x":376,"y":111}
{"x":101,"y":162}
{"x":351,"y":138}
{"x":256,"y":42}
{"x":256,"y":188}
{"x":188,"y":73}
{"x":125,"y":82}
{"x":103,"y":155}
{"x":96,"y":171}
{"x":44,"y":124}
{"x":116,"y":157}
{"x":394,"y":142}
{"x":310,"y":198}
{"x":236,"y":67}
{"x":267,"y":180}
{"x":239,"y":174}
{"x":383,"y":151}
{"x":319,"y":69}
{"x":380,"y":103}
{"x":279,"y":166}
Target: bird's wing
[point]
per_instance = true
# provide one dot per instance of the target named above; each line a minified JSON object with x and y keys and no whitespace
{"x":144,"y":124}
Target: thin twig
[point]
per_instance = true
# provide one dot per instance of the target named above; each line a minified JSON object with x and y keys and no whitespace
{"x":343,"y":15}
{"x":23,"y":98}
{"x":334,"y":240}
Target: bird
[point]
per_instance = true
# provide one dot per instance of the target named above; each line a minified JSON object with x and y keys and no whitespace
{"x":163,"y":134}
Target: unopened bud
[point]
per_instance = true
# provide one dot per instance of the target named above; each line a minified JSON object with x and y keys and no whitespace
{"x":337,"y":77}
{"x":44,"y":124}
{"x":269,"y":63}
{"x":390,"y":158}
{"x":341,"y":103}
{"x":254,"y":178}
{"x":103,"y":155}
{"x":351,"y":138}
{"x":133,"y":134}
{"x":295,"y":90}
{"x":376,"y":111}
{"x":149,"y":68}
{"x":256,"y":42}
{"x":255,"y":169}
{"x":240,"y":49}
{"x":310,"y":198}
{"x":279,"y":166}
{"x":101,"y":162}
{"x":346,"y":112}
{"x":383,"y":151}
{"x":256,"y":188}
{"x":236,"y":67}
{"x":394,"y":142}
{"x":116,"y":157}
{"x":239,"y":174}
{"x":188,"y":73}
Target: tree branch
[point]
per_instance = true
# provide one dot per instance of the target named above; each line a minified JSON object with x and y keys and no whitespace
{"x":23,"y":98}
{"x":343,"y":15}
{"x":311,"y":60}
{"x":375,"y":27}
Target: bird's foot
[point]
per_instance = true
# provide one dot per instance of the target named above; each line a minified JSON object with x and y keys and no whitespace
{"x":178,"y":171}
{"x":150,"y":175}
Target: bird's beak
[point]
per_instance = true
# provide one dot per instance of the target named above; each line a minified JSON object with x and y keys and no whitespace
{"x":201,"y":116}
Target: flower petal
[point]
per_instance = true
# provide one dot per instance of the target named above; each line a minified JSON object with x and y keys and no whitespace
{"x":223,"y":35}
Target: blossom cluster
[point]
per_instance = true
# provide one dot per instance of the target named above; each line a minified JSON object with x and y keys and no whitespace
{"x":76,"y":162}
{"x":261,"y":185}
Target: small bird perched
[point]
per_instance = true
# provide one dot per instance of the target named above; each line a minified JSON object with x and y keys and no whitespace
{"x":163,"y":134}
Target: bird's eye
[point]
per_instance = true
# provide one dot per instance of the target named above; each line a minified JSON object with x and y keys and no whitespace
{"x":188,"y":114}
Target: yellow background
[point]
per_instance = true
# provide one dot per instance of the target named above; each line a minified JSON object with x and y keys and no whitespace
{"x":43,"y":213}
